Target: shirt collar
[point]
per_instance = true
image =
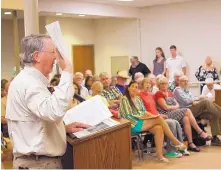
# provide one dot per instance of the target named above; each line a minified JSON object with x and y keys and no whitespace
{"x":37,"y":74}
{"x":185,"y":90}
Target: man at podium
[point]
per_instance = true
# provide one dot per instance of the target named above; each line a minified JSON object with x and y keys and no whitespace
{"x":34,"y":114}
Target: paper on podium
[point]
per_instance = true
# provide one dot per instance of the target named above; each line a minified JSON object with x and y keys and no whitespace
{"x":90,"y":112}
{"x":54,"y":31}
{"x":93,"y":112}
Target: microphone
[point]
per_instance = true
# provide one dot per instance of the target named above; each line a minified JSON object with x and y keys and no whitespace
{"x":78,"y":97}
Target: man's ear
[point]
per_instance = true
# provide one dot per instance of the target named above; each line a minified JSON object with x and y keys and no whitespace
{"x":36,"y":57}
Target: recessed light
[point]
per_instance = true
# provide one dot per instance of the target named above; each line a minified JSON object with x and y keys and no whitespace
{"x":81,"y":15}
{"x":7,"y":13}
{"x":58,"y":13}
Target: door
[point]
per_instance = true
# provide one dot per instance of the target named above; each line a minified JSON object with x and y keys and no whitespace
{"x":83,"y":58}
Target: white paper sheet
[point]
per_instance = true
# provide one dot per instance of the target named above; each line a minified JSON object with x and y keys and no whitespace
{"x":105,"y":124}
{"x":54,"y":31}
{"x":90,"y":112}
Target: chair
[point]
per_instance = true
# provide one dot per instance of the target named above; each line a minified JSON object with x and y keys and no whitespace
{"x":139,"y":143}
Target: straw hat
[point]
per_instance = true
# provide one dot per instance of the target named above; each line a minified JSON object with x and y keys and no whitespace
{"x":123,"y":74}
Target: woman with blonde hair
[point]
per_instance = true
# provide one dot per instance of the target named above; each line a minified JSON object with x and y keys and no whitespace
{"x":167,"y":105}
{"x":150,"y":105}
{"x":132,"y":108}
{"x":207,"y":70}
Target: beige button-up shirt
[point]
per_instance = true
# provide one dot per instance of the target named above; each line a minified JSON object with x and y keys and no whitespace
{"x":35,"y":115}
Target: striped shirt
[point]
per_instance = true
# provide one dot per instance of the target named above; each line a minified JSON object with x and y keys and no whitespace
{"x":127,"y":112}
{"x":112,"y":93}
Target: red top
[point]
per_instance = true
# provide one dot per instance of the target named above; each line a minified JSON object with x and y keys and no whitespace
{"x":149,"y":103}
{"x":159,"y":95}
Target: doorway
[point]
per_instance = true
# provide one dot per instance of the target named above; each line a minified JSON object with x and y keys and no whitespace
{"x":83,"y":58}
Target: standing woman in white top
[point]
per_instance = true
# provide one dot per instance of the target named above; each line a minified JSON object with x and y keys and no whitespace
{"x":174,"y":64}
{"x":34,"y":114}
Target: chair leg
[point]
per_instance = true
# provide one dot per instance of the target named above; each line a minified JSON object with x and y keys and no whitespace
{"x":138,"y":147}
{"x":141,"y":142}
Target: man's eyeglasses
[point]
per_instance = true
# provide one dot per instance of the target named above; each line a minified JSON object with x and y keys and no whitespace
{"x":52,"y":52}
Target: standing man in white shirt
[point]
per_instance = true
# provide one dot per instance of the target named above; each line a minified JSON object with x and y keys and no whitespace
{"x":34,"y":114}
{"x":209,"y":89}
{"x":174,"y":64}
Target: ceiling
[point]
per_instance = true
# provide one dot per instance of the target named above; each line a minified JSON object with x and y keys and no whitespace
{"x":20,"y":14}
{"x":136,"y":3}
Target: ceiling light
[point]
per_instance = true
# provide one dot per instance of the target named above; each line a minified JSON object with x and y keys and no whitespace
{"x":81,"y":15}
{"x":7,"y":13}
{"x":58,"y":13}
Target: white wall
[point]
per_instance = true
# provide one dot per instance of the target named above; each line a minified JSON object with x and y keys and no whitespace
{"x":194,"y":27}
{"x":114,"y":37}
{"x":75,"y":32}
{"x":7,"y":46}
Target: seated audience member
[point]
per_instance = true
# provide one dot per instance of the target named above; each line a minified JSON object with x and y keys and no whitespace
{"x":159,"y":62}
{"x":167,"y":104}
{"x":187,"y":100}
{"x":137,"y":66}
{"x":95,"y":78}
{"x":78,"y":79}
{"x":209,"y":89}
{"x":122,"y":77}
{"x":153,"y":89}
{"x":88,"y":73}
{"x":6,"y":151}
{"x":111,"y":93}
{"x":138,"y":77}
{"x":150,"y":105}
{"x":54,"y":82}
{"x":4,"y":126}
{"x":75,"y":102}
{"x":207,"y":70}
{"x":3,"y":91}
{"x":176,"y":82}
{"x":113,"y":81}
{"x":58,"y":76}
{"x":132,"y":108}
{"x":88,"y":83}
{"x":97,"y":89}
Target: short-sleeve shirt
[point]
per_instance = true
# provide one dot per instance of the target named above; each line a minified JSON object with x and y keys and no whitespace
{"x":174,"y":65}
{"x":112,"y":93}
{"x":160,"y":95}
{"x":149,"y":103}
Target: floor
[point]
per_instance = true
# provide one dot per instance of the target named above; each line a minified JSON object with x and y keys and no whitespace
{"x":208,"y":158}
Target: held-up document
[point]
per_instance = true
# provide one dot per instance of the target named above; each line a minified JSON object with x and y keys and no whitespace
{"x":54,"y":31}
{"x":93,"y":112}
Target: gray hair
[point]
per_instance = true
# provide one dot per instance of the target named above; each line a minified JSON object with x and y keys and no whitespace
{"x":178,"y":73}
{"x":30,"y":44}
{"x":103,"y":74}
{"x":135,"y":57}
{"x":79,"y":74}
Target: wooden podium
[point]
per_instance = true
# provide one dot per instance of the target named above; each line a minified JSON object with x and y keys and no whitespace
{"x":218,"y":97}
{"x":218,"y":100}
{"x":107,"y":149}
